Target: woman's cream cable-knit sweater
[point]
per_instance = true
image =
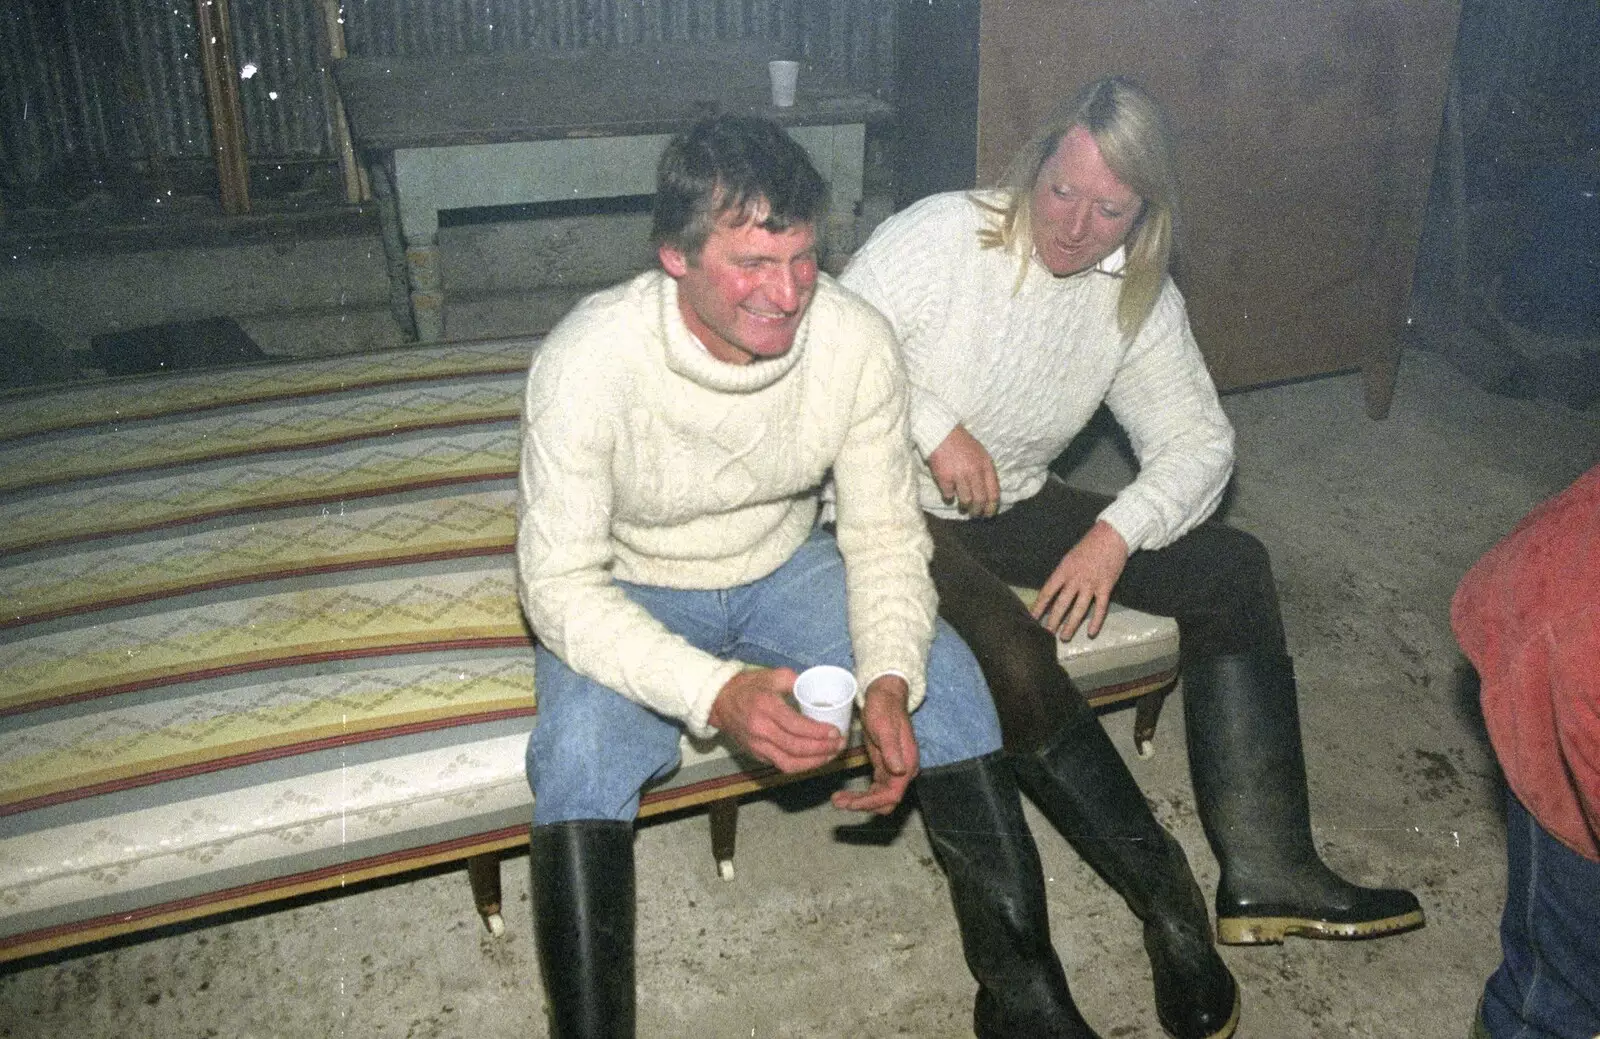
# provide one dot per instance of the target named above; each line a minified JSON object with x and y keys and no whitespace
{"x":1024,"y":372}
{"x":645,"y":459}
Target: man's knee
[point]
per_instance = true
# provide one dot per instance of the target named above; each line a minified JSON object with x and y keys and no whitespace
{"x":573,"y":780}
{"x":592,"y":750}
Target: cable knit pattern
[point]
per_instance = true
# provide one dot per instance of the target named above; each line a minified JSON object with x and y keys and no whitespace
{"x":1024,"y":372}
{"x":646,"y":459}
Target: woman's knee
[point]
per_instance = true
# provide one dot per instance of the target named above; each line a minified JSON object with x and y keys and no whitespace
{"x":1253,"y":596}
{"x":1023,"y":660}
{"x":1222,"y":594}
{"x":1226,"y":554}
{"x":1032,"y":693}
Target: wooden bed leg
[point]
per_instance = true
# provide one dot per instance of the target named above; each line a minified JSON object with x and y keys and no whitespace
{"x":724,"y":830}
{"x":1145,"y":715}
{"x":483,"y":873}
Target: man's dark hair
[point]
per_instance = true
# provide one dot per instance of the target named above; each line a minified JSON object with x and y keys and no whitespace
{"x":731,"y":164}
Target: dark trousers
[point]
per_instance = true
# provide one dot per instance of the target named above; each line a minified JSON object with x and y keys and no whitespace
{"x":1216,"y":582}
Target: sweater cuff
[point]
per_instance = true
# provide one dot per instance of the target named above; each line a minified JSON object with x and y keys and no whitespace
{"x":1133,"y":521}
{"x":698,"y":719}
{"x":931,"y":421}
{"x":911,"y":688}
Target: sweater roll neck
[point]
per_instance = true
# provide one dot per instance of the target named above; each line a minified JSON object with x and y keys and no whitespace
{"x":686,"y":356}
{"x":1114,"y":265}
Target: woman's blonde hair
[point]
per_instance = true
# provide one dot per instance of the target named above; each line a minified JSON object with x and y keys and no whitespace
{"x":1136,"y":144}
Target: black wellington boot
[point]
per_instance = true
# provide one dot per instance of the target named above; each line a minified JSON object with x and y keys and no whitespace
{"x":1242,"y":720}
{"x":980,"y":837}
{"x":583,"y":916}
{"x":1085,"y":790}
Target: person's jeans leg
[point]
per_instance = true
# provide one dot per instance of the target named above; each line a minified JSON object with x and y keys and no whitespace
{"x":957,"y":720}
{"x":593,"y":750}
{"x":796,"y":617}
{"x":1547,"y":985}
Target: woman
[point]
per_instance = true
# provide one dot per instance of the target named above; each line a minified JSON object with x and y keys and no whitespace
{"x":1021,"y":311}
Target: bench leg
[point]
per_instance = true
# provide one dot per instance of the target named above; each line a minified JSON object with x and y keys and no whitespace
{"x":1147,"y":711}
{"x":483,"y":873}
{"x":724,"y":830}
{"x":394,"y":249}
{"x":427,"y":292}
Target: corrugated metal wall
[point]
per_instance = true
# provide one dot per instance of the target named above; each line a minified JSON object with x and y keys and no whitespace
{"x":96,"y":87}
{"x":284,"y":101}
{"x":86,"y":84}
{"x":852,"y":35}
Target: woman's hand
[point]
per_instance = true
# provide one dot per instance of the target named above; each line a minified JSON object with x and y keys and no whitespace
{"x":965,"y":473}
{"x":1082,"y":581}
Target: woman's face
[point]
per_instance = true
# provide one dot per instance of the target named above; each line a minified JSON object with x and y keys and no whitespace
{"x":1081,"y":211}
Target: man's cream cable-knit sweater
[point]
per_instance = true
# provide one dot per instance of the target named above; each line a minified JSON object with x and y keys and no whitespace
{"x":647,"y":460}
{"x":1024,"y":372}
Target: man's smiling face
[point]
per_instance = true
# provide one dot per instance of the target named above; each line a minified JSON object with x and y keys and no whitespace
{"x":744,"y":295}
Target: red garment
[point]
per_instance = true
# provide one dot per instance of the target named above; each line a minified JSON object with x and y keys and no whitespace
{"x":1528,"y":617}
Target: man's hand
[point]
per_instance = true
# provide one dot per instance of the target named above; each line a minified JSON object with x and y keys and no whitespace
{"x":752,"y":708}
{"x":891,"y":746}
{"x":965,"y":473}
{"x":1082,"y":581}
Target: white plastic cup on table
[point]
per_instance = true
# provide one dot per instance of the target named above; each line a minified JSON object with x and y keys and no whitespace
{"x":785,"y":74}
{"x":827,"y":694}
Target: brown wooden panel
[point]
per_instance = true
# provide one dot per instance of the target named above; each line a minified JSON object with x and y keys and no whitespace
{"x":221,"y":74}
{"x":1306,"y":133}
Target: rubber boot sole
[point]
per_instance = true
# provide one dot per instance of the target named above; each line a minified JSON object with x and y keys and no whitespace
{"x":1272,"y":930}
{"x":1228,"y":1027}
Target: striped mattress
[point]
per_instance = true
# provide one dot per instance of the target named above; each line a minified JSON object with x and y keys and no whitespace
{"x":259,"y":636}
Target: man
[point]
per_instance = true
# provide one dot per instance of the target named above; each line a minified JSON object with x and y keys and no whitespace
{"x":1528,"y":617}
{"x":676,"y":431}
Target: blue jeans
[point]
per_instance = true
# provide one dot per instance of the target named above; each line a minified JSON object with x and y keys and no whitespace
{"x":593,"y":750}
{"x":1548,"y":984}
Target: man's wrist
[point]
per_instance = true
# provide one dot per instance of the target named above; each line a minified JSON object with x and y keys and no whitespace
{"x":890,"y":683}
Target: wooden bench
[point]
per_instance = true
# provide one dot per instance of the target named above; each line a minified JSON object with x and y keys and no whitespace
{"x":261,"y":638}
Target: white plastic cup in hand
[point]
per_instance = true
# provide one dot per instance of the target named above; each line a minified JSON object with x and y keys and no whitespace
{"x":784,"y":76}
{"x":826,"y":694}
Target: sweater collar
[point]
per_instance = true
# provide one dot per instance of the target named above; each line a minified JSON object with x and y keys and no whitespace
{"x":1112,"y":265}
{"x":685,"y":355}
